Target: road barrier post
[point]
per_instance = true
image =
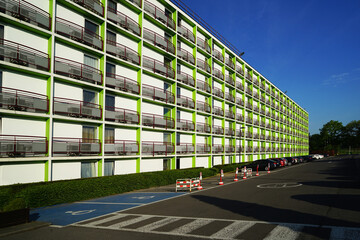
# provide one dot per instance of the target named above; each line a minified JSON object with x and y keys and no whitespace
{"x":200,"y":178}
{"x":244,"y":169}
{"x":268,"y":167}
{"x":221,"y":176}
{"x":257,"y":170}
{"x":236,"y":173}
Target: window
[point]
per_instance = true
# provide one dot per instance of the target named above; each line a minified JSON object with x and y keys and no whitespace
{"x":112,"y":5}
{"x":178,"y":93}
{"x":90,"y":61}
{"x":90,"y":26}
{"x":87,"y":169}
{"x":178,"y":116}
{"x":109,"y":102}
{"x":177,"y":163}
{"x":167,"y":138}
{"x":109,"y":168}
{"x":110,"y":69}
{"x":109,"y":135}
{"x":166,"y":164}
{"x":88,"y":134}
{"x":88,"y":97}
{"x":111,"y":36}
{"x":177,"y":138}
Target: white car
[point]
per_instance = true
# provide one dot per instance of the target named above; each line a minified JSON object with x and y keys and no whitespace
{"x":318,"y":156}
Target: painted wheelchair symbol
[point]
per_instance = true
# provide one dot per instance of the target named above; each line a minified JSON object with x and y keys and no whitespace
{"x":80,"y":212}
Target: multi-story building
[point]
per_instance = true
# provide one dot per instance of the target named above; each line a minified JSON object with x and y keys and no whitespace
{"x":96,"y":88}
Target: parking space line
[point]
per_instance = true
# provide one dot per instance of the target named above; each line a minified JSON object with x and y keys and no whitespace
{"x":110,"y":203}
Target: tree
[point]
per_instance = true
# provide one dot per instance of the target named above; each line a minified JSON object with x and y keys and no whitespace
{"x":316,"y":142}
{"x":351,"y":134}
{"x":331,"y":133}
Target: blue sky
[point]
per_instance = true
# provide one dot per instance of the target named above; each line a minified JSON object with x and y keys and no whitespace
{"x":310,"y":48}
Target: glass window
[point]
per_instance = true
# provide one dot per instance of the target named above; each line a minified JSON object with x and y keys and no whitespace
{"x":90,"y":61}
{"x":112,"y":5}
{"x":166,"y":164}
{"x":109,"y":168}
{"x":87,"y":169}
{"x":110,"y":69}
{"x":1,"y":31}
{"x":111,"y":36}
{"x":88,"y":134}
{"x":90,"y":26}
{"x":88,"y":97}
{"x":109,"y":135}
{"x":110,"y":102}
{"x":167,"y":138}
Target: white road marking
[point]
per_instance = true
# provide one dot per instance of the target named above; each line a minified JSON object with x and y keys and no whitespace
{"x":189,"y":227}
{"x":110,"y":218}
{"x":110,"y":203}
{"x":285,"y":231}
{"x":157,"y":224}
{"x":129,"y":222}
{"x":233,"y":230}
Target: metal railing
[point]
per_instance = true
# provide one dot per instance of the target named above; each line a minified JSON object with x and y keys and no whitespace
{"x":186,"y":33}
{"x":23,"y":55}
{"x":123,"y":21}
{"x":75,"y":146}
{"x":121,"y":147}
{"x":185,"y":78}
{"x":229,"y":63}
{"x":202,"y":85}
{"x":218,"y":92}
{"x":217,"y":148}
{"x":185,"y":101}
{"x":77,"y":71}
{"x":217,"y":73}
{"x":158,"y":67}
{"x":229,"y":131}
{"x":229,"y":148}
{"x":240,"y":70}
{"x":76,"y":108}
{"x":203,"y":106}
{"x":230,"y":114}
{"x":185,"y":125}
{"x":240,"y":86}
{"x":203,"y":148}
{"x":22,"y":146}
{"x":239,"y":117}
{"x":185,"y":148}
{"x":203,"y":127}
{"x":218,"y":55}
{"x":157,"y":148}
{"x":217,"y":130}
{"x":185,"y":55}
{"x":229,"y":97}
{"x":137,"y":2}
{"x":203,"y":44}
{"x":153,"y":120}
{"x":27,"y":12}
{"x":158,"y":94}
{"x":78,"y":33}
{"x":93,"y":5}
{"x":203,"y":65}
{"x":20,"y":100}
{"x":218,"y":111}
{"x":122,"y":52}
{"x":159,"y":14}
{"x":229,"y":80}
{"x":158,"y":40}
{"x":122,"y":83}
{"x":121,"y":115}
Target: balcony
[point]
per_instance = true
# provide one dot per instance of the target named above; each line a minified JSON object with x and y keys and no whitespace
{"x":159,"y":40}
{"x":158,"y":94}
{"x":22,"y":146}
{"x":186,"y":33}
{"x":229,"y":80}
{"x":203,"y":65}
{"x":202,"y":85}
{"x":256,"y":122}
{"x":229,"y":63}
{"x":239,"y":101}
{"x":240,"y":86}
{"x":123,"y":52}
{"x":26,"y":12}
{"x":229,"y":132}
{"x":248,"y":91}
{"x":78,"y":33}
{"x":229,"y":149}
{"x":137,"y":2}
{"x":238,"y":133}
{"x":255,"y":108}
{"x":255,"y":80}
{"x":203,"y":128}
{"x":262,"y":98}
{"x":218,"y":92}
{"x":122,"y":83}
{"x":185,"y":55}
{"x":76,"y":146}
{"x":256,"y":149}
{"x":248,"y":106}
{"x":121,"y":147}
{"x":158,"y":67}
{"x":249,"y":134}
{"x":19,"y":100}
{"x":123,"y":21}
{"x":185,"y":78}
{"x":239,"y":149}
{"x":248,"y":76}
{"x":76,"y":108}
{"x":203,"y":106}
{"x":159,"y":14}
{"x":185,"y":148}
{"x":217,"y":148}
{"x":76,"y":70}
{"x":230,"y":114}
{"x":217,"y":73}
{"x":256,"y":136}
{"x":217,"y":130}
{"x":240,"y":70}
{"x":121,"y":115}
{"x":218,"y":111}
{"x":185,"y":101}
{"x":255,"y":94}
{"x":93,"y":5}
{"x":249,"y":149}
{"x":204,"y":45}
{"x":185,"y":125}
{"x":22,"y":55}
{"x":218,"y":55}
{"x":203,"y":148}
{"x":239,"y":117}
{"x":229,"y":97}
{"x":249,"y":120}
{"x":262,"y":86}
{"x":152,"y":120}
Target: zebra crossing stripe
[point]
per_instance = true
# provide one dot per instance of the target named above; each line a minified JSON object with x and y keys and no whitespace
{"x":285,"y":231}
{"x":234,"y":229}
{"x":157,"y":224}
{"x":189,"y":227}
{"x":129,"y":222}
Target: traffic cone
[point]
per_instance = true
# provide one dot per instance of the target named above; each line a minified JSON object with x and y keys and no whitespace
{"x":244,"y":177}
{"x":268,"y":167}
{"x":257,"y":170}
{"x":236,"y":173}
{"x":221,"y":174}
{"x":200,"y":178}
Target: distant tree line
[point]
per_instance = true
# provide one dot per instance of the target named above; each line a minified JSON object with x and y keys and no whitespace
{"x":335,"y":138}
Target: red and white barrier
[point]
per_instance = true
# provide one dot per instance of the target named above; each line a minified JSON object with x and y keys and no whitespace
{"x":200,"y":178}
{"x":268,"y":168}
{"x":187,"y":184}
{"x":257,"y":170}
{"x":221,"y":176}
{"x":244,"y":171}
{"x":236,"y":173}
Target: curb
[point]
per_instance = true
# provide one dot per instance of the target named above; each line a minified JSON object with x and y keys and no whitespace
{"x":22,"y":228}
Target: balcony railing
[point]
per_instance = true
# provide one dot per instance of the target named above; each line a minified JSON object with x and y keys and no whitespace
{"x":217,"y":73}
{"x":185,"y":78}
{"x":76,"y":146}
{"x":239,"y":149}
{"x":229,"y":63}
{"x":218,"y":92}
{"x":229,"y":149}
{"x":26,"y":12}
{"x":22,"y":146}
{"x":93,"y":5}
{"x":185,"y":125}
{"x":158,"y":94}
{"x":123,"y":21}
{"x":218,"y":111}
{"x":137,"y":2}
{"x":203,"y":128}
{"x":152,"y":120}
{"x":230,"y":114}
{"x":248,"y":76}
{"x":240,"y":86}
{"x":262,"y":86}
{"x":229,"y":97}
{"x":121,"y":147}
{"x":229,"y":131}
{"x":159,"y":14}
{"x":121,"y":115}
{"x":185,"y":148}
{"x":185,"y":101}
{"x":77,"y":71}
{"x":239,"y":101}
{"x":185,"y":55}
{"x":158,"y":67}
{"x":249,"y":149}
{"x":202,"y":85}
{"x":159,"y":40}
{"x":203,"y":65}
{"x":203,"y":44}
{"x":19,"y":100}
{"x":76,"y":108}
{"x":217,"y":148}
{"x":203,"y":148}
{"x":239,"y":69}
{"x":239,"y":117}
{"x":217,"y":130}
{"x":249,"y":120}
{"x":248,"y":105}
{"x":122,"y":52}
{"x":218,"y":55}
{"x":157,"y":148}
{"x":78,"y":33}
{"x":249,"y":134}
{"x":248,"y":91}
{"x":229,"y":80}
{"x":203,"y":106}
{"x":23,"y":55}
{"x":122,"y":83}
{"x":186,"y":33}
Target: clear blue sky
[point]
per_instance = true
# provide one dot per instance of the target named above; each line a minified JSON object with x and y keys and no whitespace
{"x":310,"y":48}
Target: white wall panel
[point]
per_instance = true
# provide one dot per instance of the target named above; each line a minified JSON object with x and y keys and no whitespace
{"x":66,"y":170}
{"x":125,"y":134}
{"x":69,"y":15}
{"x":25,"y":38}
{"x":13,"y":126}
{"x":67,"y":130}
{"x":185,"y":163}
{"x":124,"y":10}
{"x":217,"y":160}
{"x":68,"y":53}
{"x":24,"y":82}
{"x":151,"y":165}
{"x":44,"y":5}
{"x":20,"y":173}
{"x":202,"y":162}
{"x":67,"y":91}
{"x":125,"y":167}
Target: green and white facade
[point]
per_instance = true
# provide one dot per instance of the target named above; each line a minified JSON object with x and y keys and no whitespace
{"x":94,"y":88}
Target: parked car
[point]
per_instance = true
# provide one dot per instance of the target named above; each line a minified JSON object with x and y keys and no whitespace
{"x":318,"y":156}
{"x":280,"y":161}
{"x":264,"y":164}
{"x":308,"y":158}
{"x":291,"y":160}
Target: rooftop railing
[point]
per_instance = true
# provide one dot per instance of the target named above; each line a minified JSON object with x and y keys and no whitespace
{"x":23,"y":55}
{"x":158,"y":94}
{"x":218,"y":111}
{"x":158,"y":67}
{"x":159,"y":14}
{"x":185,"y":101}
{"x":75,"y":146}
{"x":185,"y":78}
{"x":203,"y":127}
{"x":123,"y":52}
{"x":186,"y":33}
{"x":20,"y":100}
{"x":123,"y":21}
{"x":203,"y":148}
{"x":153,"y":120}
{"x":203,"y":106}
{"x":203,"y":44}
{"x":26,"y":12}
{"x":78,"y":33}
{"x":22,"y":146}
{"x":122,"y":83}
{"x":218,"y":92}
{"x":76,"y":108}
{"x":203,"y":65}
{"x":93,"y":5}
{"x":229,"y":63}
{"x":218,"y":55}
{"x":77,"y":71}
{"x":185,"y":125}
{"x":185,"y":148}
{"x":121,"y":115}
{"x":217,"y":73}
{"x":121,"y":147}
{"x":158,"y":40}
{"x":185,"y":55}
{"x":157,"y":148}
